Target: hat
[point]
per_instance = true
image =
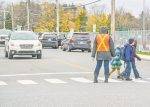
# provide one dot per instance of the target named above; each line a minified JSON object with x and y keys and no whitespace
{"x":103,"y":30}
{"x":131,"y":40}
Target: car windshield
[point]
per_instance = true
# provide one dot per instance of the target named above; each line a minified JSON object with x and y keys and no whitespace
{"x":81,"y":36}
{"x":47,"y":36}
{"x":24,"y":36}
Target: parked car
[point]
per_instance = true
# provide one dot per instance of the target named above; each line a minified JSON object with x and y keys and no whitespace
{"x":61,"y":37}
{"x":49,"y":40}
{"x":3,"y":35}
{"x":23,"y":43}
{"x":75,"y":41}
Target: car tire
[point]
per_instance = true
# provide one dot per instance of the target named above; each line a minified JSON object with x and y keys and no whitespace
{"x":39,"y":56}
{"x":82,"y":50}
{"x":6,"y":54}
{"x":68,"y":49}
{"x":56,"y":47}
{"x":89,"y":50}
{"x":63,"y":48}
{"x":33,"y":55}
{"x":10,"y":56}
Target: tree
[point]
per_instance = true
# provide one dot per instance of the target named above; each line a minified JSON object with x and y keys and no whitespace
{"x":81,"y":20}
{"x":99,"y":20}
{"x":8,"y":21}
{"x":125,"y":20}
{"x":147,"y":19}
{"x":47,"y":20}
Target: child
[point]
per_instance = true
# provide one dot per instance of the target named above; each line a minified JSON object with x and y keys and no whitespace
{"x":116,"y":62}
{"x":128,"y":57}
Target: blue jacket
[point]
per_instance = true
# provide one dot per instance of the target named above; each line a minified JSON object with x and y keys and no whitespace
{"x":129,"y":53}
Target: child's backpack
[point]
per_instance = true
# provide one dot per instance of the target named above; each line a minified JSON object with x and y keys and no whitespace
{"x":123,"y":50}
{"x":118,"y":51}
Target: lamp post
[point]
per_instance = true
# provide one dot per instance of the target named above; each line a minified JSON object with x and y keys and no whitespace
{"x":113,"y":19}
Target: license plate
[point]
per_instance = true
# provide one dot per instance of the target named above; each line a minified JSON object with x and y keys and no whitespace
{"x":82,"y":42}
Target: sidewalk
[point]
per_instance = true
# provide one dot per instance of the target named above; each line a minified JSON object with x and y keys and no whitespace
{"x":145,"y":57}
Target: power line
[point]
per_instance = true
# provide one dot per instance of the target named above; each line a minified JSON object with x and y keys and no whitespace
{"x":83,"y":5}
{"x":90,"y":3}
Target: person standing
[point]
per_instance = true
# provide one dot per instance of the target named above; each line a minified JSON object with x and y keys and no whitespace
{"x":103,"y":49}
{"x":135,"y":71}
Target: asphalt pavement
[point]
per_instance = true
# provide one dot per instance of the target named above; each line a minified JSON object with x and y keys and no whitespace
{"x":64,"y":79}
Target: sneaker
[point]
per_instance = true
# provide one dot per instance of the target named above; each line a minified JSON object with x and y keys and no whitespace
{"x":120,"y":77}
{"x":128,"y":79}
{"x":95,"y":81}
{"x":106,"y":81}
{"x":138,"y":77}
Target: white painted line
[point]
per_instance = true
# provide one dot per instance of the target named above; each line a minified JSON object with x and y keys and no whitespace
{"x":3,"y":83}
{"x":39,"y":74}
{"x":109,"y":80}
{"x":27,"y":82}
{"x":83,"y":80}
{"x":55,"y":81}
{"x":139,"y":81}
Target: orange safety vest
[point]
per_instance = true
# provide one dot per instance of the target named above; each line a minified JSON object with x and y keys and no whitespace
{"x":103,"y":42}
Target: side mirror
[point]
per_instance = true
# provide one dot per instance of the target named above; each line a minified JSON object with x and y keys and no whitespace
{"x":40,"y":39}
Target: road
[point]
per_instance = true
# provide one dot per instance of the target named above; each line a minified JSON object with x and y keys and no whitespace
{"x":64,"y":79}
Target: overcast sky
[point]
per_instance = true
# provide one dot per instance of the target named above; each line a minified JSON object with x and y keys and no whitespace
{"x":133,"y":6}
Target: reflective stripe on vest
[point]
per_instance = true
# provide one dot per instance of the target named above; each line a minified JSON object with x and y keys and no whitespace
{"x":103,"y":43}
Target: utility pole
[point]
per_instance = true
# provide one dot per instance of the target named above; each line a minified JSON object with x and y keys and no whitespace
{"x":143,"y":25}
{"x":12,"y":15}
{"x":28,"y":14}
{"x":113,"y":19}
{"x":4,"y":19}
{"x":57,"y":12}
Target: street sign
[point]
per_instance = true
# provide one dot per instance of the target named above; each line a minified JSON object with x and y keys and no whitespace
{"x":94,"y":28}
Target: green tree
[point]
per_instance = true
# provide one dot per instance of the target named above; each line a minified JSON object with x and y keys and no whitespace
{"x":81,"y":20}
{"x":8,"y":21}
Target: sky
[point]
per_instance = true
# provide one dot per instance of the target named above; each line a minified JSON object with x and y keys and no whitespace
{"x":133,"y":6}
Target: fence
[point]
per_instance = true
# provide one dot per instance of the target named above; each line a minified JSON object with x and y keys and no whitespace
{"x":142,"y":37}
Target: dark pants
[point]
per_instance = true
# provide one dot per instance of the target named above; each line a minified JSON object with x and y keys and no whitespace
{"x":98,"y":67}
{"x":126,"y":73}
{"x":135,"y":71}
{"x":129,"y":66}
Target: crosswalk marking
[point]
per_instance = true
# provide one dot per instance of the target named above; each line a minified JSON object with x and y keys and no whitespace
{"x":27,"y":82}
{"x":75,"y":79}
{"x":137,"y":80}
{"x":55,"y":81}
{"x":3,"y":83}
{"x":109,"y":80}
{"x":83,"y":80}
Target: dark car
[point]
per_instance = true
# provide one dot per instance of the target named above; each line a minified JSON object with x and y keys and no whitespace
{"x":49,"y":40}
{"x":61,"y":37}
{"x":75,"y":41}
{"x":3,"y":35}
